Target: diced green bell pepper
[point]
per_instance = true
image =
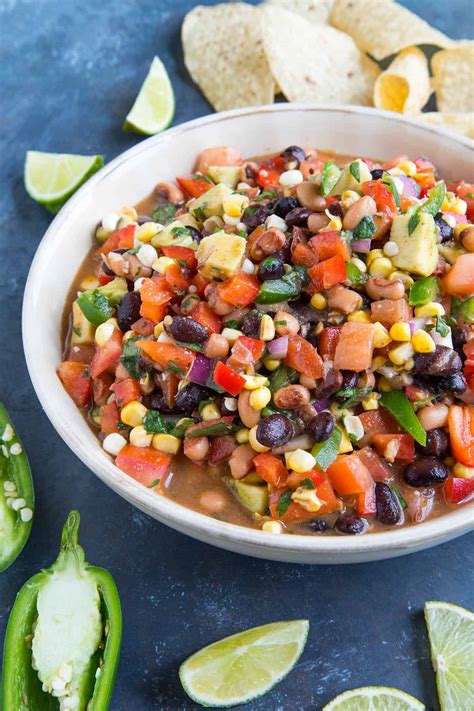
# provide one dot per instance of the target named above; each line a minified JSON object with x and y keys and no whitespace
{"x":423,"y":291}
{"x":397,"y":403}
{"x":273,"y":291}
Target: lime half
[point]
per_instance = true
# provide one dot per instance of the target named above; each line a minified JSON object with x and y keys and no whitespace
{"x":154,"y":106}
{"x":451,"y":633}
{"x":374,"y":698}
{"x":51,"y":178}
{"x":241,"y":668}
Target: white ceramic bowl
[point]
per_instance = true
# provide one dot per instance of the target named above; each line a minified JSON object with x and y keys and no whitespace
{"x":130,"y":177}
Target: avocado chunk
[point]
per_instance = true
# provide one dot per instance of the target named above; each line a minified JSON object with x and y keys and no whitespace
{"x":253,"y":496}
{"x":228,"y":174}
{"x":82,"y":329}
{"x":220,"y":255}
{"x":253,"y":478}
{"x":174,"y":234}
{"x":352,"y":177}
{"x":418,"y":251}
{"x":210,"y":202}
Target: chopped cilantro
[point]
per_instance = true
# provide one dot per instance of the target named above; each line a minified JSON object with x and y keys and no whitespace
{"x":308,"y":483}
{"x":180,"y":232}
{"x":216,"y":429}
{"x":265,"y":194}
{"x":153,"y":484}
{"x":284,"y":502}
{"x":389,"y":182}
{"x":164,"y":214}
{"x":153,"y":422}
{"x":76,"y":330}
{"x":352,"y":395}
{"x":176,"y":369}
{"x":130,"y":357}
{"x":365,"y":229}
{"x":399,"y":495}
{"x":198,"y":212}
{"x":355,"y":171}
{"x":231,"y":324}
{"x":441,"y":326}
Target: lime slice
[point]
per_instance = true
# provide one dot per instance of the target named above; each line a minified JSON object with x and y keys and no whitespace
{"x":51,"y":178}
{"x":241,"y":668}
{"x":451,"y":633}
{"x":154,"y":106}
{"x":374,"y":698}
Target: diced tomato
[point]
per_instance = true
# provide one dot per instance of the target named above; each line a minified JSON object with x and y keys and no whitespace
{"x":329,"y":244}
{"x":460,"y":278}
{"x":324,"y":492}
{"x":76,"y":380}
{"x":466,"y":192}
{"x":378,"y":470}
{"x":200,"y":283}
{"x":365,"y":502}
{"x":389,"y":311}
{"x":349,"y":475}
{"x":355,"y":346}
{"x":101,"y":388}
{"x":381,"y":194}
{"x":403,"y":450}
{"x":271,"y":469}
{"x":415,"y":394}
{"x":167,"y":354}
{"x":378,"y":422}
{"x":313,"y":164}
{"x":177,"y":279}
{"x":240,"y":357}
{"x":121,"y":239}
{"x":328,"y":339}
{"x":457,"y":489}
{"x":144,"y":327}
{"x":228,"y":379}
{"x":204,"y":315}
{"x":195,"y":185}
{"x":155,"y":294}
{"x":126,"y":391}
{"x":304,"y":256}
{"x":107,"y":356}
{"x":220,"y":155}
{"x":303,"y":357}
{"x":184,"y":254}
{"x":461,"y":433}
{"x":109,"y":418}
{"x":240,"y":290}
{"x":144,"y":464}
{"x":269,"y":173}
{"x":296,"y":478}
{"x":254,"y":345}
{"x":326,"y":274}
{"x":103,"y":278}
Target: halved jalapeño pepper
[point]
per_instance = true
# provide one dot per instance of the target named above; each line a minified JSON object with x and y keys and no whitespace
{"x":16,"y":493}
{"x":62,"y":643}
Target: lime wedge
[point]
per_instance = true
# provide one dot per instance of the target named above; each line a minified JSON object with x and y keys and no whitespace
{"x":241,"y":668}
{"x":51,"y":178}
{"x":154,"y":106}
{"x":451,"y":633}
{"x":374,"y":698}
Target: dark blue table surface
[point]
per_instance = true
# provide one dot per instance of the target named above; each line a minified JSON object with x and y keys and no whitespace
{"x":70,"y":71}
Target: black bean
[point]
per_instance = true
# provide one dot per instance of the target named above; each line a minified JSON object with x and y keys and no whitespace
{"x":128,"y":310}
{"x":349,"y":382}
{"x":377,"y":173}
{"x":387,"y":505}
{"x":270,"y":268}
{"x":321,"y":426}
{"x":437,"y":443}
{"x":304,"y":313}
{"x":298,"y":217}
{"x":330,"y":385}
{"x":446,"y":231}
{"x":189,"y":397}
{"x":255,"y":215}
{"x":195,"y":233}
{"x":158,"y":402}
{"x":274,"y":430}
{"x":335,"y":208}
{"x":455,"y":384}
{"x":318,"y":525}
{"x":106,"y":270}
{"x":141,"y":219}
{"x":293,"y":154}
{"x":186,"y":330}
{"x":460,"y":337}
{"x":425,"y":471}
{"x":351,"y":525}
{"x":251,"y":324}
{"x":443,"y":361}
{"x":283,"y":205}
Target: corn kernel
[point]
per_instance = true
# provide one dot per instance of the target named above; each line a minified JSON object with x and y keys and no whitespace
{"x":235,"y":204}
{"x":318,"y":302}
{"x":452,"y":203}
{"x":400,"y":331}
{"x":361,"y":266}
{"x":318,"y":328}
{"x":462,"y":471}
{"x":133,"y":413}
{"x":242,"y":435}
{"x":378,"y":362}
{"x":374,"y":254}
{"x":407,"y":167}
{"x":89,"y":282}
{"x":430,"y":310}
{"x":260,"y":398}
{"x":300,"y":461}
{"x":161,"y":264}
{"x":104,"y":332}
{"x":254,"y":443}
{"x":130,"y":212}
{"x":272,"y":527}
{"x":382,"y":266}
{"x":158,"y":329}
{"x":307,"y":499}
{"x":252,"y":382}
{"x":371,"y":402}
{"x":353,"y":426}
{"x":139,"y":437}
{"x":348,"y":198}
{"x":362,"y":316}
{"x":335,"y":223}
{"x":460,"y":228}
{"x":422,"y":342}
{"x":400,"y":354}
{"x":166,"y":443}
{"x":391,"y":248}
{"x":381,"y":336}
{"x":403,"y":277}
{"x":267,"y":328}
{"x":231,"y":334}
{"x":210,"y":412}
{"x":271,"y":363}
{"x":384,"y":385}
{"x":346,"y":445}
{"x":145,"y":232}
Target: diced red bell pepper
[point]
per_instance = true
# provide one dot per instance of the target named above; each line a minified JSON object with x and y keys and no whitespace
{"x":103,"y":278}
{"x":296,"y":478}
{"x":254,"y":345}
{"x":329,"y":244}
{"x":121,"y":239}
{"x":328,"y":339}
{"x":155,"y":294}
{"x":303,"y":357}
{"x":228,"y":379}
{"x":378,"y":422}
{"x":271,"y":469}
{"x":126,"y":391}
{"x":365,"y":502}
{"x":349,"y":475}
{"x":466,"y":192}
{"x":204,"y":315}
{"x":144,"y":464}
{"x":403,"y":449}
{"x":381,"y":194}
{"x":109,"y":418}
{"x":195,"y":185}
{"x":461,"y":433}
{"x":177,"y":278}
{"x":269,"y":172}
{"x":200,"y":283}
{"x":328,"y":273}
{"x":184,"y":254}
{"x":167,"y":354}
{"x":304,"y":256}
{"x":107,"y":356}
{"x":378,"y":470}
{"x":240,"y":290}
{"x":457,"y":489}
{"x":76,"y":380}
{"x":101,"y":388}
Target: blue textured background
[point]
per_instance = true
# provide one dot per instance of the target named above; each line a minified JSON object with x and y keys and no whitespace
{"x":70,"y":70}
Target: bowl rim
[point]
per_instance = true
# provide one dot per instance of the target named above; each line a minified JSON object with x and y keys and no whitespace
{"x":172,"y":513}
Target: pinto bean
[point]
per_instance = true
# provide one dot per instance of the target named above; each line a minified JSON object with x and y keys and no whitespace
{"x":248,"y":171}
{"x":433,"y":417}
{"x":308,"y":195}
{"x":383,"y":224}
{"x":248,"y":415}
{"x":170,"y":191}
{"x":344,"y":300}
{"x":291,"y":397}
{"x":241,"y":461}
{"x":286,"y":324}
{"x":262,"y":242}
{"x":317,"y":221}
{"x":357,"y":211}
{"x":213,"y":501}
{"x":217,"y":346}
{"x":217,"y":304}
{"x":196,"y":448}
{"x":467,"y":238}
{"x":133,"y":268}
{"x":380,"y":288}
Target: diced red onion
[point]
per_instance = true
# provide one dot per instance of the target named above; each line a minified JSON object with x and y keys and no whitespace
{"x":417,"y":324}
{"x":320,"y":405}
{"x":460,"y":219}
{"x":360,"y":245}
{"x":200,"y":370}
{"x":278,"y":347}
{"x":410,"y":186}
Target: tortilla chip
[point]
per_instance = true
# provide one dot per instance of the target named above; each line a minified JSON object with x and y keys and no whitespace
{"x":223,"y":52}
{"x":315,"y":63}
{"x":405,"y":85}
{"x":382,"y":27}
{"x":458,"y":122}
{"x":453,"y":78}
{"x":313,"y":10}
